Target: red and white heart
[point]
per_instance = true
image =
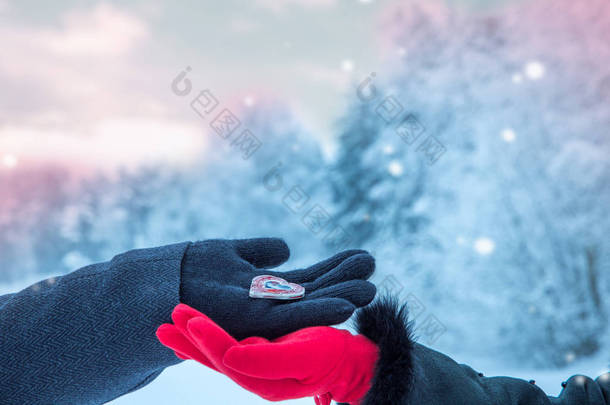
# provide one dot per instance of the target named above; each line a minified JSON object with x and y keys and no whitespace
{"x":272,"y":287}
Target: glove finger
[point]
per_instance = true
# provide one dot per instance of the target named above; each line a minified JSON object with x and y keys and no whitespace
{"x":358,"y":267}
{"x":604,"y":384}
{"x":262,"y":252}
{"x":582,"y":390}
{"x":182,"y":314}
{"x":214,"y":341}
{"x":211,"y":340}
{"x":253,"y":340}
{"x":182,"y":356}
{"x":323,"y":399}
{"x":317,"y":270}
{"x":171,"y":337}
{"x":289,"y":317}
{"x":305,"y":355}
{"x":358,"y":292}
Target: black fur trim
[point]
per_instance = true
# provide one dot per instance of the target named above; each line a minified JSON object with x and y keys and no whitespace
{"x":386,"y":323}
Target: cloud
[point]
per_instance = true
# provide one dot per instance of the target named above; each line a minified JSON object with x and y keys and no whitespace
{"x":102,"y":31}
{"x":105,"y":30}
{"x":83,"y":93}
{"x":110,"y":142}
{"x":59,"y":68}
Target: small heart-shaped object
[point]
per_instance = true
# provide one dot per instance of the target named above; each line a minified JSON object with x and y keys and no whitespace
{"x":275,"y":288}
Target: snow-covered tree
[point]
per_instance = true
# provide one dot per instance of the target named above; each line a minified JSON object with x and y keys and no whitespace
{"x":514,"y":230}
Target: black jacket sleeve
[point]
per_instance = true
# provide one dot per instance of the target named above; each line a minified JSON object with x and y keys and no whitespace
{"x":408,"y":373}
{"x":89,"y":337}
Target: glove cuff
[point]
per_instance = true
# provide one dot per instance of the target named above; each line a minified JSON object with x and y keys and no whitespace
{"x":386,"y":324}
{"x":355,"y":371}
{"x":194,"y":267}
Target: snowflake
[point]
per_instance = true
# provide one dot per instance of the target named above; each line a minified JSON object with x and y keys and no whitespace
{"x":347,"y":65}
{"x":484,"y":246}
{"x":508,"y":135}
{"x":388,"y":149}
{"x":249,"y":101}
{"x":534,"y":70}
{"x":395,"y":168}
{"x":10,"y":161}
{"x":517,"y":78}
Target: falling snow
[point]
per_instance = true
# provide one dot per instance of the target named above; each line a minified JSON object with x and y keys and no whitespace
{"x":508,"y":135}
{"x":347,"y":65}
{"x":395,"y":168}
{"x":10,"y":161}
{"x":484,"y":246}
{"x":534,"y":70}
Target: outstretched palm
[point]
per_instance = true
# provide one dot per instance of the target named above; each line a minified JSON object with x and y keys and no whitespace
{"x":216,"y":278}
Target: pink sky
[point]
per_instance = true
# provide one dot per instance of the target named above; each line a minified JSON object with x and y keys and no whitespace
{"x":90,"y":85}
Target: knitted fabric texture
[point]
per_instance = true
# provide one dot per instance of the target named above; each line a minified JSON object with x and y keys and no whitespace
{"x":217,"y":275}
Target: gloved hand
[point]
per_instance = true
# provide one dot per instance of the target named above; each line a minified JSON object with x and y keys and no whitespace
{"x":583,"y":390}
{"x":216,"y":278}
{"x":322,"y":362}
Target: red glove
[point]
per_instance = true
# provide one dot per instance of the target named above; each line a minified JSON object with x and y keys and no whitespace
{"x":322,"y":362}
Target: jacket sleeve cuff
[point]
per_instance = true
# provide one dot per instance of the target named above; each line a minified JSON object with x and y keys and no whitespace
{"x":155,"y":276}
{"x":386,"y":323}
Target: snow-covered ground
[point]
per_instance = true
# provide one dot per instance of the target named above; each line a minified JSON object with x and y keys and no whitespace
{"x":193,"y":384}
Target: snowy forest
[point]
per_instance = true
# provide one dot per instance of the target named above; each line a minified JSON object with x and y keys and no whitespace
{"x":474,"y":166}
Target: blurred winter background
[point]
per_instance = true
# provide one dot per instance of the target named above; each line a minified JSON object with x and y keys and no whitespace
{"x":465,"y":143}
